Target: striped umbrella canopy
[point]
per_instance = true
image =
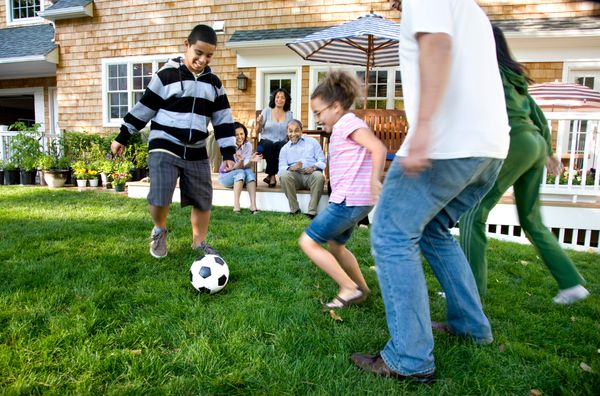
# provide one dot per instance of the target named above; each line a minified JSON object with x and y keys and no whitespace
{"x":370,"y":41}
{"x":561,"y":96}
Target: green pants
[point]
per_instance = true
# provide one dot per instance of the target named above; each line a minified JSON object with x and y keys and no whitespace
{"x":523,"y":169}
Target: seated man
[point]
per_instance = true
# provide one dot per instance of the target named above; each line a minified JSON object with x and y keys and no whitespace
{"x":301,"y":164}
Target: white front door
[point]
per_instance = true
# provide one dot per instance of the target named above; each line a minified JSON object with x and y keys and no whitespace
{"x":287,"y":81}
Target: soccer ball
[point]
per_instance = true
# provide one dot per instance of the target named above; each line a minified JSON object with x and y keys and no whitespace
{"x":209,"y":274}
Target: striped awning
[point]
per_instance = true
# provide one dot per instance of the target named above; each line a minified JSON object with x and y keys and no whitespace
{"x":370,"y":40}
{"x":560,"y":96}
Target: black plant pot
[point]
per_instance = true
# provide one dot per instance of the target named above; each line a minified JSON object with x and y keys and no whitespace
{"x":28,"y":177}
{"x":138,"y":174}
{"x":11,"y":177}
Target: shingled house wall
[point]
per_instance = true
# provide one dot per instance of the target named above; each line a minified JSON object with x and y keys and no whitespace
{"x":127,"y":28}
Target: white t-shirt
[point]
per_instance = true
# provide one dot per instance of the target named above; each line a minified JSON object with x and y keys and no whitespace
{"x":471,"y":120}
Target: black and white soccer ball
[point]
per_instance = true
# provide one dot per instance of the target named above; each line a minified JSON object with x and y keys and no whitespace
{"x":209,"y":274}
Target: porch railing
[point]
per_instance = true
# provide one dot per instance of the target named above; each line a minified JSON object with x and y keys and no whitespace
{"x":6,"y":137}
{"x":576,"y":141}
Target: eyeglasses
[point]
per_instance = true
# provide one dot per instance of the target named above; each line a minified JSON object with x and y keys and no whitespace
{"x":318,"y":113}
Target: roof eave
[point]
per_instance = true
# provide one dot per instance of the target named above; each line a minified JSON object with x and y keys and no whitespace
{"x":68,"y":13}
{"x":51,"y":57}
{"x":554,"y":34}
{"x":258,"y":43}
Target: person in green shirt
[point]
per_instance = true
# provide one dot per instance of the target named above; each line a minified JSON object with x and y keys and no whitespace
{"x":530,"y":151}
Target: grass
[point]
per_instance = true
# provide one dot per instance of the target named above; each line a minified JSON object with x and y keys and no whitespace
{"x":84,"y":309}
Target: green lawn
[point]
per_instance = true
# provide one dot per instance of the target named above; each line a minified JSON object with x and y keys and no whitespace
{"x":84,"y":309}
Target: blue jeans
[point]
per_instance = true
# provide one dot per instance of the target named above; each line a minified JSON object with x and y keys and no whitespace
{"x":416,"y":213}
{"x":336,"y":223}
{"x":228,"y":179}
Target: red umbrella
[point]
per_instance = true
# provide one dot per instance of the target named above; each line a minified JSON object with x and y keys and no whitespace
{"x":560,"y":96}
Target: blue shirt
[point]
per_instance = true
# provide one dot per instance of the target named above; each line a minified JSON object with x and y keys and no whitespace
{"x":306,"y":150}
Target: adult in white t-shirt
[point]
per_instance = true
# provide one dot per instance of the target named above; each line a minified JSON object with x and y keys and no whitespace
{"x":457,"y":140}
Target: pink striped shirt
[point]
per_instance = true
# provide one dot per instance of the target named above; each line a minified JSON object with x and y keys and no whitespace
{"x":350,"y":164}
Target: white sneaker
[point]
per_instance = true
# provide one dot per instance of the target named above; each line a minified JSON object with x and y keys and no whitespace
{"x":571,"y":295}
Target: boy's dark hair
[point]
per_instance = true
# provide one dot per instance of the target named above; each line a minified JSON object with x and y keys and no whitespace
{"x":288,"y":99}
{"x":202,"y":33}
{"x":237,"y":125}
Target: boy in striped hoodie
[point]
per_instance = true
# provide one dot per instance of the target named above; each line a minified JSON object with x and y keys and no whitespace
{"x":180,"y":100}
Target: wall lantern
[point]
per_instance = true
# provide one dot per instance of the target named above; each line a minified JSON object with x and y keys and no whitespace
{"x":242,"y":81}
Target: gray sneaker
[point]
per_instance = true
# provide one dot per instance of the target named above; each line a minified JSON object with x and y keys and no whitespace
{"x":205,"y":248}
{"x":158,"y":243}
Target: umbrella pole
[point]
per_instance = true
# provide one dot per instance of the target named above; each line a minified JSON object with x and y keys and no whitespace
{"x":369,"y":52}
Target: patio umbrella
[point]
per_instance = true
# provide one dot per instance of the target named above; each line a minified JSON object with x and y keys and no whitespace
{"x":561,"y":96}
{"x":370,"y":41}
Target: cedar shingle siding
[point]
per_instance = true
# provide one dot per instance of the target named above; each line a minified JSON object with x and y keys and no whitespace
{"x":126,"y":28}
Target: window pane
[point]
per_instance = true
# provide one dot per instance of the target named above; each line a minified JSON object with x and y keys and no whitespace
{"x":25,"y":8}
{"x":587,"y":81}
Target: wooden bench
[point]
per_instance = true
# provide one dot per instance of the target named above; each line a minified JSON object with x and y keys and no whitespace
{"x":390,"y":126}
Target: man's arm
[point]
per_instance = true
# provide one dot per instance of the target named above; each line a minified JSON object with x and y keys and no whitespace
{"x":435,"y":51}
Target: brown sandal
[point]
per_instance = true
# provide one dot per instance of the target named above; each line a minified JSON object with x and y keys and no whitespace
{"x":345,"y":303}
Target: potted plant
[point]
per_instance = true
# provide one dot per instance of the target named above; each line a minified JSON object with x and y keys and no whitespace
{"x":54,"y":166}
{"x":106,"y":168}
{"x":92,"y":176}
{"x":25,"y":150}
{"x":80,"y":173}
{"x":140,"y":160}
{"x":11,"y":173}
{"x":121,"y":174}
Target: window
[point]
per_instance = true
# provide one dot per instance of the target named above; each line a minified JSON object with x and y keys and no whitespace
{"x":124,"y":83}
{"x":385,"y":89}
{"x":377,"y":89}
{"x":23,"y":10}
{"x":587,"y":81}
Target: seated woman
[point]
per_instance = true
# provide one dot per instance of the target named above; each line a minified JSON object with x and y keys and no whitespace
{"x":272,"y":125}
{"x":241,"y":173}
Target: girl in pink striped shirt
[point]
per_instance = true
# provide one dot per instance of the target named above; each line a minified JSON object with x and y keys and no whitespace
{"x":356,"y":162}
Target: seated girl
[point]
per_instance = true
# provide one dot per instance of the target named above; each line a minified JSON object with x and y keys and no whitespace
{"x":241,"y":173}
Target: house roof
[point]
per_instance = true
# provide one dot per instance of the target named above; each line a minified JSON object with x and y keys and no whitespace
{"x":242,"y":38}
{"x":28,"y":51}
{"x":67,"y":9}
{"x":520,"y":27}
{"x":68,"y":4}
{"x":550,"y":26}
{"x":26,"y":41}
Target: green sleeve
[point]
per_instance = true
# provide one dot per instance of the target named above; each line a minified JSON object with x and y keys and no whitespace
{"x":539,"y":120}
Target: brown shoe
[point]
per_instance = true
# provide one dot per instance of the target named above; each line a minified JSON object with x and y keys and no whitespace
{"x":376,"y":365}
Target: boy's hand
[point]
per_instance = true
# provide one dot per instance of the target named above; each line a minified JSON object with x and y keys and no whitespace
{"x":117,"y":148}
{"x":228,"y":165}
{"x":256,"y":157}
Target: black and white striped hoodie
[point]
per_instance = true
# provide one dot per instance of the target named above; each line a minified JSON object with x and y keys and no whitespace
{"x":181,"y":107}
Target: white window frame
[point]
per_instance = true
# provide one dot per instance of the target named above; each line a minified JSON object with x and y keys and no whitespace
{"x":312,"y":84}
{"x":108,"y":122}
{"x":571,"y":69}
{"x":22,"y":21}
